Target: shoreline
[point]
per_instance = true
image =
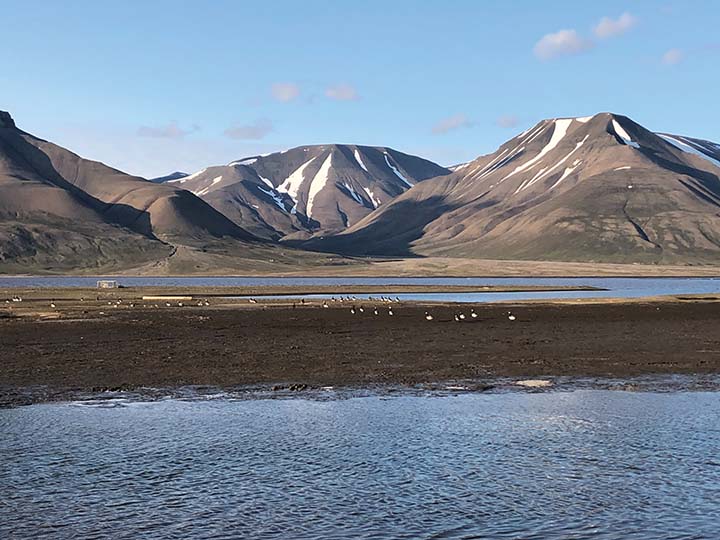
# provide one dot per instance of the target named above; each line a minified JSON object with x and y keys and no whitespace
{"x":93,"y":347}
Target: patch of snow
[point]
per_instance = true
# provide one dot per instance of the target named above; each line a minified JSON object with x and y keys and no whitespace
{"x":353,"y":193}
{"x":560,"y":129}
{"x":626,"y":167}
{"x":292,"y":184}
{"x":584,"y":119}
{"x":247,"y":161}
{"x":620,"y":132}
{"x":459,"y":166}
{"x":375,"y":202}
{"x":275,"y":197}
{"x":318,"y":183}
{"x":544,"y":172}
{"x":568,"y":172}
{"x":686,"y":146}
{"x":396,"y":171}
{"x":185,"y":179}
{"x":206,"y":189}
{"x":359,"y":160}
{"x":267,"y":181}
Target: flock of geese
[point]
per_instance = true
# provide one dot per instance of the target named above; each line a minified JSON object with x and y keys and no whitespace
{"x":457,"y":316}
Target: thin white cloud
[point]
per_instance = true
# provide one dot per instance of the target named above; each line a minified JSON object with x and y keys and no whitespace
{"x":672,"y":57}
{"x":507,"y":121}
{"x":285,"y":91}
{"x":169,"y":131}
{"x":250,"y":132}
{"x":342,"y":92}
{"x":608,"y":27}
{"x":451,"y":123}
{"x":562,"y":43}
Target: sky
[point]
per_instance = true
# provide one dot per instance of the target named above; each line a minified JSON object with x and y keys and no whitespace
{"x":151,"y":87}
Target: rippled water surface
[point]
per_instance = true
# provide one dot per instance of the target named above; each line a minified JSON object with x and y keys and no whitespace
{"x":570,"y":465}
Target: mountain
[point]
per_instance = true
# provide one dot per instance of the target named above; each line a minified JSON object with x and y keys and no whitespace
{"x":301,"y":191}
{"x":60,"y":210}
{"x":177,"y":175}
{"x":598,"y":188}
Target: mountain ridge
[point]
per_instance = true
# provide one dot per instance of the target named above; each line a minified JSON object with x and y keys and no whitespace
{"x":561,"y":190}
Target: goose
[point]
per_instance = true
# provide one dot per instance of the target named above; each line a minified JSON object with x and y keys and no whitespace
{"x":352,"y":310}
{"x":428,"y":317}
{"x":167,"y":304}
{"x":456,"y":317}
{"x":461,"y":316}
{"x":473,"y":314}
{"x":52,"y":304}
{"x":375,"y":311}
{"x":325,"y":304}
{"x":511,"y":317}
{"x":390,"y":312}
{"x":361,"y":309}
{"x":253,"y":301}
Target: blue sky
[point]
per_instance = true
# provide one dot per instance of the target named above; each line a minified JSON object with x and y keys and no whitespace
{"x":156,"y":86}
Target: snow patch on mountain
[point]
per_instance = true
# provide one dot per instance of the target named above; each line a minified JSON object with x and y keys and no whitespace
{"x":560,"y":129}
{"x":186,"y":178}
{"x":620,"y":132}
{"x":318,"y":183}
{"x":292,"y":184}
{"x":375,"y":202}
{"x":359,"y":160}
{"x":687,"y":146}
{"x":397,"y":171}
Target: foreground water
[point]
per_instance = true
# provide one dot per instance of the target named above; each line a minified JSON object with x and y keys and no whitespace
{"x":583,"y":464}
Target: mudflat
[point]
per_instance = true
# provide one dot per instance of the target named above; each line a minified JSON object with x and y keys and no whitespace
{"x":97,"y":345}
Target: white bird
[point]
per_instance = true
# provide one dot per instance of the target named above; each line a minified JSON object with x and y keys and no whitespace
{"x":52,"y":304}
{"x":361,"y":309}
{"x":462,"y":316}
{"x":511,"y":317}
{"x":473,"y":314}
{"x":428,"y":317}
{"x":167,"y":304}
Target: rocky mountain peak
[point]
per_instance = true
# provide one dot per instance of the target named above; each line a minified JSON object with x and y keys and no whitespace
{"x":6,"y":120}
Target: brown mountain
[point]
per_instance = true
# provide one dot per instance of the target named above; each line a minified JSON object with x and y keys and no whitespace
{"x":60,"y":210}
{"x":600,"y":188}
{"x":308,"y":189}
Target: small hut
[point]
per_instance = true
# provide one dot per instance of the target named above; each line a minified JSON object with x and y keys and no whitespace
{"x":107,"y":284}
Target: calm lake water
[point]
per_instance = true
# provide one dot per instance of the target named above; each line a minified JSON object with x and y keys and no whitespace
{"x":558,"y":465}
{"x":616,"y":287}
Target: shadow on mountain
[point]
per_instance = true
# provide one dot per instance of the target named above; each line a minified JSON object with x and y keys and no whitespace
{"x":392,"y":232}
{"x":38,"y":162}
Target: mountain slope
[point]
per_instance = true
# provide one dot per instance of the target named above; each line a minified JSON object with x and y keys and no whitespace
{"x":580,"y":189}
{"x":308,"y":189}
{"x":58,"y":209}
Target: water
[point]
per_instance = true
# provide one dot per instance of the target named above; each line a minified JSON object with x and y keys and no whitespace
{"x":615,"y":287}
{"x":571,"y":465}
